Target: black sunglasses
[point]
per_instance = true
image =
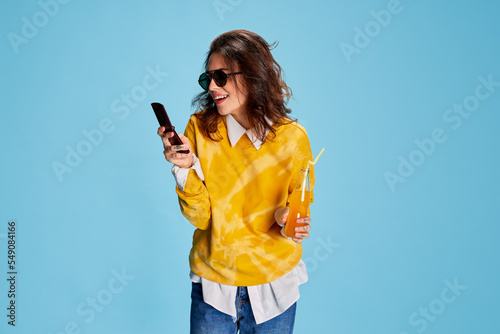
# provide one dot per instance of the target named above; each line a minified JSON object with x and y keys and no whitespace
{"x":219,"y":77}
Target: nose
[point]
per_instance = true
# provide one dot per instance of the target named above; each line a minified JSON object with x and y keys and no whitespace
{"x":212,"y":86}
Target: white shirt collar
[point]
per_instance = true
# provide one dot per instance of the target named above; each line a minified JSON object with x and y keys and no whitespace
{"x":235,"y":131}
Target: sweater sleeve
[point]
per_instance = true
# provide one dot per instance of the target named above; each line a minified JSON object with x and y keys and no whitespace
{"x":194,"y":199}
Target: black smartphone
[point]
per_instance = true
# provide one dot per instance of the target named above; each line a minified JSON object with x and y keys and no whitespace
{"x":161,"y":115}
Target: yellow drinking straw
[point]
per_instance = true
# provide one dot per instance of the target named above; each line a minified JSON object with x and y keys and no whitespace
{"x":307,"y":171}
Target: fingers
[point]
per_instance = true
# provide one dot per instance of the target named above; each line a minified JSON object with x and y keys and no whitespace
{"x":165,"y":136}
{"x":172,"y":155}
{"x":302,"y":232}
{"x":305,"y":220}
{"x":303,"y":228}
{"x":170,"y":151}
{"x":184,"y":139}
{"x":181,"y":158}
{"x":161,"y":131}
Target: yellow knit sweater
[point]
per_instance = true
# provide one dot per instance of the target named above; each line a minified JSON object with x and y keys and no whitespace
{"x":237,"y":241}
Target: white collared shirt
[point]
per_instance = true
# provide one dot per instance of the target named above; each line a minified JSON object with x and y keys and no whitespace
{"x":267,"y":300}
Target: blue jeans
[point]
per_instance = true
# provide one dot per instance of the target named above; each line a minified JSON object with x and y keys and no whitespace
{"x":207,"y":320}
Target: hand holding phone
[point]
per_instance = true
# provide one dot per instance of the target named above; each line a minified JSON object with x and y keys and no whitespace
{"x":163,"y":120}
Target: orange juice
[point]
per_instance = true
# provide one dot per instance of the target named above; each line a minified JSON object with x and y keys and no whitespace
{"x":298,"y":209}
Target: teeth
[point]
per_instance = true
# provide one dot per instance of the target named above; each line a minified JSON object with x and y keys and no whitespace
{"x":221,"y":97}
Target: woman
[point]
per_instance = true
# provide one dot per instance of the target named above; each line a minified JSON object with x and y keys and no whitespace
{"x":245,"y":155}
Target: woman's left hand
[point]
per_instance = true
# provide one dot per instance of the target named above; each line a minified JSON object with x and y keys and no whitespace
{"x":302,"y":231}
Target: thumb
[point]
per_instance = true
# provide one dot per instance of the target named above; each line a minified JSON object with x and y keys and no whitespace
{"x":281,"y":214}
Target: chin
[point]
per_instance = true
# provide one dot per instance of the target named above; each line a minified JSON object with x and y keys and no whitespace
{"x":221,"y":112}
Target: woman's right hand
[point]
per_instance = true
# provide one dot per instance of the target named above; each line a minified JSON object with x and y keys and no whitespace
{"x":183,"y":160}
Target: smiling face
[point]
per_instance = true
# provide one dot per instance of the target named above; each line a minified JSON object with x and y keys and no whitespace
{"x":230,"y":99}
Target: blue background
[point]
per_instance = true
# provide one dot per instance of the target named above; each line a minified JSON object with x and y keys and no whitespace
{"x":381,"y":255}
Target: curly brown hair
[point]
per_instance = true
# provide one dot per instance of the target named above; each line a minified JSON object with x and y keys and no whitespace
{"x":268,"y":94}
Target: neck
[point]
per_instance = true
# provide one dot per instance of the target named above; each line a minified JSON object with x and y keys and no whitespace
{"x":242,"y":119}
